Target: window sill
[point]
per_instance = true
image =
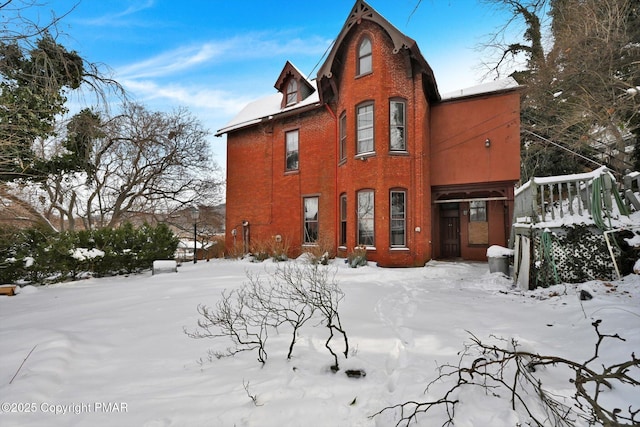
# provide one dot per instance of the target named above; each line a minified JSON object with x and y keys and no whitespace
{"x":292,"y":172}
{"x":399,"y":249}
{"x":365,"y":156}
{"x":400,"y":153}
{"x":368,"y":73}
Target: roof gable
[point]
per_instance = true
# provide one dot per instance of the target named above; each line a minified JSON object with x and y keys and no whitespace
{"x":290,"y":70}
{"x":362,"y":11}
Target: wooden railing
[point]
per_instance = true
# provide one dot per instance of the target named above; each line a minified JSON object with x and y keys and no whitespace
{"x":555,"y":198}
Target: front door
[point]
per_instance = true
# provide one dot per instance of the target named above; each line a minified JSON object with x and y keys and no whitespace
{"x":449,"y":230}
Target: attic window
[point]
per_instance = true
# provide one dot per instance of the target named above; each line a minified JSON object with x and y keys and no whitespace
{"x":364,"y":57}
{"x":292,"y":92}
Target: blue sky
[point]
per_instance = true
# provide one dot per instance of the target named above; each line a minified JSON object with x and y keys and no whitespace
{"x":214,"y":56}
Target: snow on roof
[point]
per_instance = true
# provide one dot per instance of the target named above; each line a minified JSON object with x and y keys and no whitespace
{"x":266,"y":107}
{"x":271,"y":105}
{"x":494,"y":86}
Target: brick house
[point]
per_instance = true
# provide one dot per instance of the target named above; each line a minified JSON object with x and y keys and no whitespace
{"x":369,"y":153}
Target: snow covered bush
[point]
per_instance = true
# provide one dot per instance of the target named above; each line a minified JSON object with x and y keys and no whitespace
{"x":357,"y":258}
{"x":291,"y":296}
{"x":322,"y":251}
{"x":63,"y":256}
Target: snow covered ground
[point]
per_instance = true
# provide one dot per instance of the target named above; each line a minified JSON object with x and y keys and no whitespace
{"x":113,"y":352}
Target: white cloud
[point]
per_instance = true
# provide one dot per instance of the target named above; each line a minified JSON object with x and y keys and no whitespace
{"x":240,"y":48}
{"x":172,"y":62}
{"x":218,"y":105}
{"x":115,"y":19}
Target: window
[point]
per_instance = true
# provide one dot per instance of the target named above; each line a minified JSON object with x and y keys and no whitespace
{"x":478,"y":211}
{"x":397,"y":140}
{"x":364,"y":57}
{"x":365,"y":129}
{"x":343,"y":136}
{"x":292,"y":92}
{"x":478,"y":225}
{"x":398,"y":218}
{"x":310,"y":219}
{"x":292,"y":150}
{"x":343,"y":220}
{"x":366,"y":218}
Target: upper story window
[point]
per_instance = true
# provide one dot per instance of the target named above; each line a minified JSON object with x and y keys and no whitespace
{"x":364,"y":57}
{"x":397,"y":126}
{"x":343,"y":137}
{"x":292,"y":92}
{"x":291,"y":143}
{"x":365,"y":129}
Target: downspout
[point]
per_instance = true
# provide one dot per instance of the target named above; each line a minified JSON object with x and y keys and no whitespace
{"x":335,"y":174}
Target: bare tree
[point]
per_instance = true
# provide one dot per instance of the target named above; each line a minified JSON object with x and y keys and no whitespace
{"x":137,"y":161}
{"x":580,"y":62}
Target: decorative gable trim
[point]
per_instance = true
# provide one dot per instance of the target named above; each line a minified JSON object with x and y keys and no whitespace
{"x":362,"y":11}
{"x":305,"y":88}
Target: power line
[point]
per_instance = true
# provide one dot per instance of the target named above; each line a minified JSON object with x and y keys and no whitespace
{"x":562,"y":147}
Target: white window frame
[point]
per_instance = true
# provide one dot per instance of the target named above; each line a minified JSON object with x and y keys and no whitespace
{"x":366,"y":218}
{"x":292,"y":92}
{"x":343,"y":137}
{"x":398,"y":219}
{"x":292,"y":148}
{"x":365,"y":56}
{"x":397,"y":127}
{"x":365,"y":128}
{"x":310,"y":219}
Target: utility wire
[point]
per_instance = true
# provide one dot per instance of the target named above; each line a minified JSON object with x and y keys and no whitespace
{"x":562,"y":147}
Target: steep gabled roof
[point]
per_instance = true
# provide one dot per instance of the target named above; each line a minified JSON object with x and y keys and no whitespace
{"x":265,"y":109}
{"x":291,"y":70}
{"x":362,"y":11}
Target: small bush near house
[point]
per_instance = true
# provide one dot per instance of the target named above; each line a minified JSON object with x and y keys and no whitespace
{"x":275,"y":247}
{"x":358,"y":257}
{"x":322,"y":251}
{"x":217,"y":247}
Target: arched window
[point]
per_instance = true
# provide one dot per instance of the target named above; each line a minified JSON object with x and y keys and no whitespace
{"x":364,"y":57}
{"x":292,"y":92}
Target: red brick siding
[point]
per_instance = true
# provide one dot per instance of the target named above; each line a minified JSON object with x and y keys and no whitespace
{"x":261,"y":192}
{"x":458,"y":134}
{"x":445,"y":146}
{"x":384,"y":170}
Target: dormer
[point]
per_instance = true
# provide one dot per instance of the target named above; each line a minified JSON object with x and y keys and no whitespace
{"x":293,"y":85}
